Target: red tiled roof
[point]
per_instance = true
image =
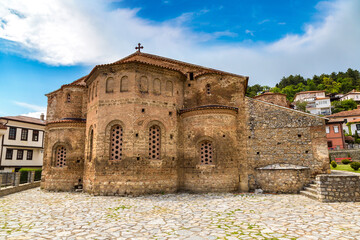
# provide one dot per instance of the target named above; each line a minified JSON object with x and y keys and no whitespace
{"x":355,"y":112}
{"x":354,"y":120}
{"x":25,"y":119}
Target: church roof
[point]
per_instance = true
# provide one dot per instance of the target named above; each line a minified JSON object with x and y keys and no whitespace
{"x":167,"y":63}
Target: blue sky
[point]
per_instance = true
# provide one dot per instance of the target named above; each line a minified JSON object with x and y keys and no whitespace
{"x":44,"y":44}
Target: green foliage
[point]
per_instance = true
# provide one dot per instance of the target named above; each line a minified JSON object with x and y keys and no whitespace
{"x":355,"y":165}
{"x":24,"y":174}
{"x":255,"y":90}
{"x":345,"y":105}
{"x":345,"y":161}
{"x":30,"y":169}
{"x":301,"y":105}
{"x":341,"y":82}
{"x":333,"y":164}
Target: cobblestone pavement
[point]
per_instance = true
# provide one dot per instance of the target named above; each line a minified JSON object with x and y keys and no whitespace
{"x":36,"y":214}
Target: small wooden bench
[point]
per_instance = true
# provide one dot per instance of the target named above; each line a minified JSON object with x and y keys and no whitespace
{"x":338,"y":160}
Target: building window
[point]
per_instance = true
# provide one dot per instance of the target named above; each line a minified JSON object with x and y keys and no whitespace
{"x":109,"y":85}
{"x":357,"y":126}
{"x":144,"y":84}
{"x":169,"y":88}
{"x":20,"y":154}
{"x":124,"y":84}
{"x":29,"y":155}
{"x":24,"y":134}
{"x":327,"y":129}
{"x":208,"y":89}
{"x":206,"y":153}
{"x":329,"y":144}
{"x":154,"y":142}
{"x":116,"y":143}
{"x":35,"y":136}
{"x":68,"y":98}
{"x":336,"y":129}
{"x":91,"y":144}
{"x":60,"y":155}
{"x":12,"y":133}
{"x":9,"y":154}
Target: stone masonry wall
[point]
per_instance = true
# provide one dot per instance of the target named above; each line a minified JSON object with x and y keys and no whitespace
{"x":353,"y":153}
{"x":72,"y":136}
{"x":338,"y":187}
{"x":278,"y":135}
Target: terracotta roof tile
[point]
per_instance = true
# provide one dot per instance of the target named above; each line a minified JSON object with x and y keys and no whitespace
{"x":25,"y":119}
{"x":355,"y":112}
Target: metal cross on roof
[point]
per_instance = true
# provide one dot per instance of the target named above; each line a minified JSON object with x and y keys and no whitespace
{"x":139,"y":47}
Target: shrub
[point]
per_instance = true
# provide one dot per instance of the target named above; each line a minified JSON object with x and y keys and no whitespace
{"x":355,"y":165}
{"x":24,"y":174}
{"x":333,"y":164}
{"x":345,"y":161}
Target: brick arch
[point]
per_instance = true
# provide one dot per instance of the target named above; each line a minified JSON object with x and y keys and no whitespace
{"x":109,"y":152}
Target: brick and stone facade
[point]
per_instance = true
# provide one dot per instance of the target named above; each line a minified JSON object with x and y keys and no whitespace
{"x":148,"y":124}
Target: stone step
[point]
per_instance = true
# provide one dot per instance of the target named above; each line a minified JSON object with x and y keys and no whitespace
{"x":313,"y":185}
{"x":309,"y":195}
{"x":310,"y":189}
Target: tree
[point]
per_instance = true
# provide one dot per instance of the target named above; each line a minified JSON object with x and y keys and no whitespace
{"x":345,"y":105}
{"x":301,"y":106}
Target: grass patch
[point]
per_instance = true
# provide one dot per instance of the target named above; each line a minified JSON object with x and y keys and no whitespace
{"x":344,"y":168}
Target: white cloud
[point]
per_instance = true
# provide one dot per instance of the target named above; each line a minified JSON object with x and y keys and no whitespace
{"x":35,"y":112}
{"x":70,"y":32}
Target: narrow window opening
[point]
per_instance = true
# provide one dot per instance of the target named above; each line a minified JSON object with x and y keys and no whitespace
{"x":138,"y":158}
{"x":143,"y":110}
{"x":299,"y":135}
{"x":206,"y":152}
{"x":306,"y":151}
{"x":258,"y":153}
{"x":60,"y":156}
{"x":68,"y":98}
{"x":208,"y":89}
{"x":189,"y":85}
{"x":170,"y":113}
{"x":116,"y":143}
{"x":154,"y":142}
{"x":191,"y":76}
{"x":136,"y":135}
{"x":224,"y":136}
{"x":171,"y":136}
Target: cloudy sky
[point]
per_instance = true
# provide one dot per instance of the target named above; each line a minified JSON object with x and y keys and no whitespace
{"x":47,"y":43}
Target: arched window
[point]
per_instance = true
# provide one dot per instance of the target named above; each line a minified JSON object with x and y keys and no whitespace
{"x":60,"y":156}
{"x":68,"y":97}
{"x":89,"y":93}
{"x":206,"y":152}
{"x":91,"y":142}
{"x":124,"y":84}
{"x":208,"y":89}
{"x":93,"y":92}
{"x":169,"y":88}
{"x":157,"y":86}
{"x":110,"y":85}
{"x":116,"y":142}
{"x":154,"y":142}
{"x":96,"y":89}
{"x":144,"y":84}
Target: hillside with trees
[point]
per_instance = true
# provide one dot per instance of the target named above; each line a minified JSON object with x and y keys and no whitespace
{"x":334,"y":83}
{"x":341,"y":82}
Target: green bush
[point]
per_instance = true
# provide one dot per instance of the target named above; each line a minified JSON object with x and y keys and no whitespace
{"x":24,"y":174}
{"x":355,"y":165}
{"x":345,"y":161}
{"x":333,"y":164}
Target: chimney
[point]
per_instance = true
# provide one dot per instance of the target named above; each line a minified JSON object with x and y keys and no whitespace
{"x":42,"y":117}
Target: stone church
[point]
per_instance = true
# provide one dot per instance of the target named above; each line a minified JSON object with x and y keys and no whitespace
{"x":149,"y":124}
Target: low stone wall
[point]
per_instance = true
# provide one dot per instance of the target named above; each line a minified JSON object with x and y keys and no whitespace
{"x":282,"y":178}
{"x":338,"y":187}
{"x":353,"y":153}
{"x":15,"y":189}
